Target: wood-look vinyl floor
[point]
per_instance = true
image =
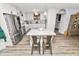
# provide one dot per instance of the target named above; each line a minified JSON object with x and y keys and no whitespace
{"x":61,"y":47}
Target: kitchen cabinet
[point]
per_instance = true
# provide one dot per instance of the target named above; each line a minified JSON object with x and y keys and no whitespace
{"x":33,"y":24}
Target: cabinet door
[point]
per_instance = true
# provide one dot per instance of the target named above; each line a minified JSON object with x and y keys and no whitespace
{"x":74,"y":25}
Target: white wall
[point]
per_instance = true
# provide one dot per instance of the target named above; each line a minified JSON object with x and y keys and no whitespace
{"x":65,"y":19}
{"x":51,"y":19}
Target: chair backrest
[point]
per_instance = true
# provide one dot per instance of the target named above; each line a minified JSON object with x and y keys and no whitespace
{"x":34,"y":38}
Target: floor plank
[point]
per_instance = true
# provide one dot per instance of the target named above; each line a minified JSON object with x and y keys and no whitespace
{"x":61,"y":46}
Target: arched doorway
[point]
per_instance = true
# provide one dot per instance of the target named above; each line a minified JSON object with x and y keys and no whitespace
{"x":59,"y":16}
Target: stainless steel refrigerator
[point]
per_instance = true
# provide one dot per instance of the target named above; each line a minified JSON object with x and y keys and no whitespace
{"x":14,"y":27}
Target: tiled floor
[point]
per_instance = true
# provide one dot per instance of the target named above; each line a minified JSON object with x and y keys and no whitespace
{"x":60,"y":46}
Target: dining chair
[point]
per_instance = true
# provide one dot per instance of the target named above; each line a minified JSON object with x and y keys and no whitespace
{"x":35,"y":44}
{"x":47,"y":44}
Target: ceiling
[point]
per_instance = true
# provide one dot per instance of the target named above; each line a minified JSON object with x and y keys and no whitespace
{"x":27,"y":7}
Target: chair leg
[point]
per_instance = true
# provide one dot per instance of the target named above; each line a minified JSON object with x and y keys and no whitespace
{"x":32,"y":49}
{"x":39,"y":48}
{"x":43,"y":47}
{"x":50,"y":49}
{"x":43,"y":50}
